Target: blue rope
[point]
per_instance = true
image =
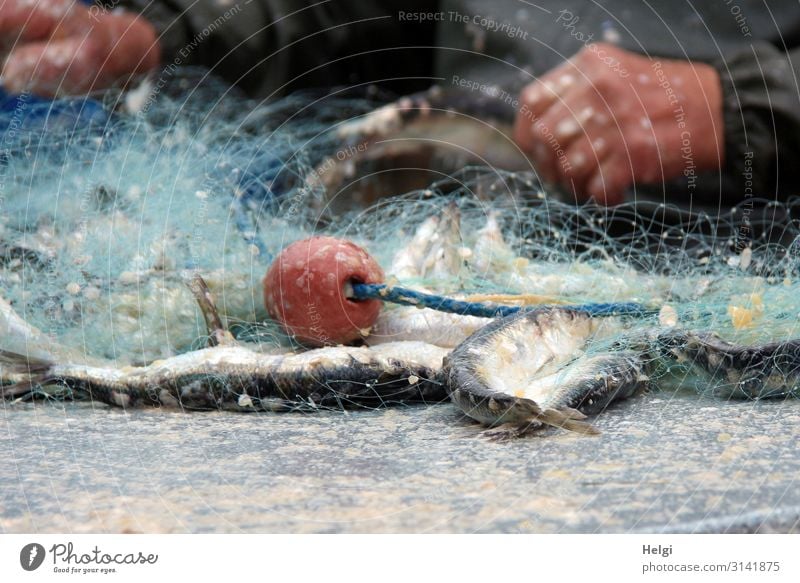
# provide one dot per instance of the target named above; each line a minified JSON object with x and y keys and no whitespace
{"x":410,"y":297}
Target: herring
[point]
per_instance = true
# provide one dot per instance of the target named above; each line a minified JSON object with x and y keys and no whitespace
{"x":237,"y":378}
{"x":532,"y":369}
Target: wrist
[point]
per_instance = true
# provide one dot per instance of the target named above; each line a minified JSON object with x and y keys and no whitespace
{"x":707,"y":120}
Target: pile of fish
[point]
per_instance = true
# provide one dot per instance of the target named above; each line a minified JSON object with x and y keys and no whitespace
{"x":545,"y":366}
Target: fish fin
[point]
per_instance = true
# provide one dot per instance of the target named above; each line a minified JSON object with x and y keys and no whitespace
{"x":21,"y":364}
{"x":558,"y":419}
{"x":218,"y":334}
{"x":509,"y":431}
{"x":24,"y":388}
{"x":572,"y":413}
{"x":565,"y":417}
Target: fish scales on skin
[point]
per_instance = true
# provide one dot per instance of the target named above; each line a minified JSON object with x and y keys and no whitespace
{"x":235,"y":377}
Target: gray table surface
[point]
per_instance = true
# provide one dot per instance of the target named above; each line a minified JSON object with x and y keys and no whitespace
{"x":664,"y":462}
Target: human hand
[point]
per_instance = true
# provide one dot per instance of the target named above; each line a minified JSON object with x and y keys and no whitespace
{"x":608,"y":118}
{"x":56,"y":47}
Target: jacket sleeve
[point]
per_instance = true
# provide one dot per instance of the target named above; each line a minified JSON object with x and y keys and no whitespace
{"x":761,"y":104}
{"x":271,"y":47}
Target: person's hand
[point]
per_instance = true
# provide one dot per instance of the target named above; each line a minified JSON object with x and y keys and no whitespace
{"x":56,"y":47}
{"x":608,"y":118}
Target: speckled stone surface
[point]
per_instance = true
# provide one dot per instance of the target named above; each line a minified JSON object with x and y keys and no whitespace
{"x":663,"y":463}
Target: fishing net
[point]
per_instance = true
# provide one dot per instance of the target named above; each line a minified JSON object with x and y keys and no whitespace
{"x":106,"y":211}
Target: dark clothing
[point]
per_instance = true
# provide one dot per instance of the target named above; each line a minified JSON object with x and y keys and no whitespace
{"x":271,"y":47}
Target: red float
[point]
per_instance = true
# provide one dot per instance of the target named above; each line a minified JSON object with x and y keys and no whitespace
{"x":304,"y":290}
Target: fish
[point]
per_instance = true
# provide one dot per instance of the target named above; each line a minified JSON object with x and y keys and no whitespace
{"x":432,"y":261}
{"x":241,"y":379}
{"x":556,"y":366}
{"x":534,"y":369}
{"x":434,"y":253}
{"x":546,"y":366}
{"x":447,"y":116}
{"x":229,"y":375}
{"x":491,"y":253}
{"x":22,"y":338}
{"x":551,"y":366}
{"x":762,"y":371}
{"x":437,"y":132}
{"x":410,"y":323}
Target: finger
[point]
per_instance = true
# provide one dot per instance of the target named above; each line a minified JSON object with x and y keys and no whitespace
{"x":131,"y":45}
{"x":538,"y":97}
{"x":646,"y":159}
{"x":546,"y":152}
{"x":535,"y":99}
{"x":558,"y":128}
{"x":120,"y":45}
{"x":583,"y":158}
{"x":52,"y":67}
{"x":541,"y":94}
{"x":608,"y":184}
{"x":24,"y":21}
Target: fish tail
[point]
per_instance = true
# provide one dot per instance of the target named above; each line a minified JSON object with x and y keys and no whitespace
{"x":218,"y":334}
{"x":565,"y":418}
{"x":559,"y":419}
{"x":16,"y":363}
{"x":35,"y":373}
{"x":23,"y":387}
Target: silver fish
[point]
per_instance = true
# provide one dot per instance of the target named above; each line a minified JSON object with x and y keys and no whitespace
{"x":238,"y":378}
{"x":434,"y":252}
{"x":555,"y":366}
{"x":410,"y":323}
{"x":228,"y":375}
{"x":435,"y":255}
{"x":491,"y":253}
{"x":530,"y":369}
{"x":742,"y":372}
{"x":430,"y":129}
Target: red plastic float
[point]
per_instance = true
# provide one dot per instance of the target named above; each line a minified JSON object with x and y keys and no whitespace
{"x":305,"y":291}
